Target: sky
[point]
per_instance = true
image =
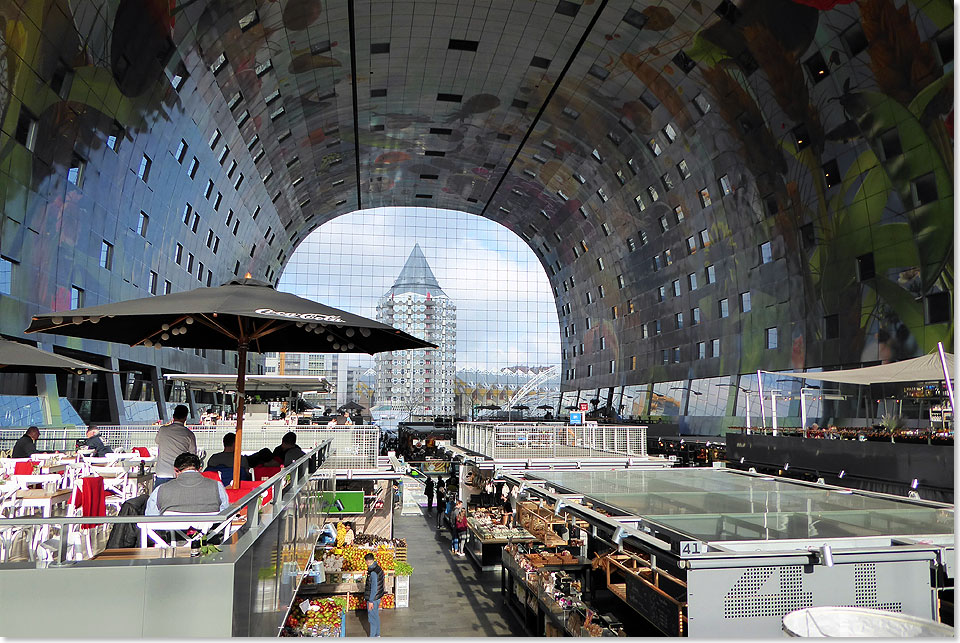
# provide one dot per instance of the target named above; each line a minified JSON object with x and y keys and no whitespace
{"x":506,"y":314}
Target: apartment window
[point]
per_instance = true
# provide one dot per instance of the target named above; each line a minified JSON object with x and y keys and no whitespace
{"x":771,"y":337}
{"x":701,"y":350}
{"x":106,"y":255}
{"x":703,"y":105}
{"x":676,"y":287}
{"x":589,"y":324}
{"x":652,"y":192}
{"x":181,"y":151}
{"x":196,"y":223}
{"x":676,"y":354}
{"x":745,"y":302}
{"x":664,"y":357}
{"x":239,"y":182}
{"x":76,"y":169}
{"x":208,"y":190}
{"x":664,"y":224}
{"x":6,"y":275}
{"x":692,"y":281}
{"x":678,"y":320}
{"x":631,"y":245}
{"x":691,"y":245}
{"x":589,"y":297}
{"x":614,"y":313}
{"x":194,"y":166}
{"x":656,"y":327}
{"x":644,"y":332}
{"x":142,"y":223}
{"x":144,"y":171}
{"x":678,"y":213}
{"x":603,"y":343}
{"x":613,"y":365}
{"x":606,"y":229}
{"x":715,"y":347}
{"x":600,"y":290}
{"x":694,"y":316}
{"x":654,"y":147}
{"x":656,"y":263}
{"x":26,"y":133}
{"x":683,"y":169}
{"x":643,"y":238}
{"x":620,"y":282}
{"x":576,"y":252}
{"x":667,"y":181}
{"x":831,"y":326}
{"x":216,"y":245}
{"x":216,"y":202}
{"x":200,"y":271}
{"x":661,"y":293}
{"x":639,"y":201}
{"x":766,"y":252}
{"x":232,"y":169}
{"x":600,"y":263}
{"x":179,"y":254}
{"x":668,"y":257}
{"x":670,"y":132}
{"x":633,"y":363}
{"x":187,"y":213}
{"x":725,"y":187}
{"x":711,"y":273}
{"x":153,"y":282}
{"x":704,"y":238}
{"x":190,"y":260}
{"x":705,"y":197}
{"x":214,"y":139}
{"x":76,"y":297}
{"x":167,"y":287}
{"x":723,"y":307}
{"x":223,"y":155}
{"x":209,"y":237}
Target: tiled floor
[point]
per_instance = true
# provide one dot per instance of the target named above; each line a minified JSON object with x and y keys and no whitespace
{"x":448,"y":596}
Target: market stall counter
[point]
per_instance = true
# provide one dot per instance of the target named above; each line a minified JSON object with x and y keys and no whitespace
{"x":549,"y":592}
{"x":487,"y":536}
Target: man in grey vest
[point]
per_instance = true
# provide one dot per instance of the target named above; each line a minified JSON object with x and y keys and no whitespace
{"x":189,"y":491}
{"x":172,"y":440}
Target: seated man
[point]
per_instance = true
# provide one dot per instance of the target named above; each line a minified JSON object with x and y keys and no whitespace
{"x":224,"y":459}
{"x":95,"y":442}
{"x":189,"y":491}
{"x":288,"y":451}
{"x":26,"y":446}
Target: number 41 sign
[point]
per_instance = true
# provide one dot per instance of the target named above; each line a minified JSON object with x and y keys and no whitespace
{"x":692,"y":548}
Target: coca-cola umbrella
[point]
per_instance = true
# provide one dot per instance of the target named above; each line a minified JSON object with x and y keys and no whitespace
{"x":242,"y":315}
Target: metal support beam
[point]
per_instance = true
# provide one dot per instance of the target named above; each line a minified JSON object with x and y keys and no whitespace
{"x":118,"y":412}
{"x":156,"y":380}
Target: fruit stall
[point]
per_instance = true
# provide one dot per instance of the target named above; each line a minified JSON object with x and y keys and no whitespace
{"x":341,"y":571}
{"x":317,"y":617}
{"x":487,"y":536}
{"x":548,"y":590}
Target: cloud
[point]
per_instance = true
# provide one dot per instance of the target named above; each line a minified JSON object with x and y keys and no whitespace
{"x":506,"y":314}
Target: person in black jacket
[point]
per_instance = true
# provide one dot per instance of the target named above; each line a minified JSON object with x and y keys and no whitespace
{"x":428,"y":490}
{"x":441,"y":504}
{"x":373,"y":591}
{"x":26,"y":446}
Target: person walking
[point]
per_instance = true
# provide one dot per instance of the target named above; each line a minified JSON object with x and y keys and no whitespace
{"x":428,"y":490}
{"x":454,"y":531}
{"x":373,"y":591}
{"x":461,"y":525}
{"x":441,"y":505}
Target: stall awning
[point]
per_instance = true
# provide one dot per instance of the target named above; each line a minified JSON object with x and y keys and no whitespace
{"x":918,"y":369}
{"x":255,"y":383}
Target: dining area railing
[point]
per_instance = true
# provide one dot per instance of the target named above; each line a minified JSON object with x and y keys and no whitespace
{"x":245,"y":561}
{"x":551,"y":440}
{"x":352,"y":447}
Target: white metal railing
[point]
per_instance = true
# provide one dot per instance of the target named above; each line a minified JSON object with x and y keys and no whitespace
{"x":353,"y":447}
{"x":551,"y":440}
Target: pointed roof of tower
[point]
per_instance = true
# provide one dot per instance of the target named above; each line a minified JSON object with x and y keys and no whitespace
{"x":417,"y":276}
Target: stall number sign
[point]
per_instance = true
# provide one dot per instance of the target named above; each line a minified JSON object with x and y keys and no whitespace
{"x":576,"y":417}
{"x":692,"y":548}
{"x":584,"y":406}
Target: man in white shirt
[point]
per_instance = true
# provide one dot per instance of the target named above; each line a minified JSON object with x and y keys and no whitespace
{"x":172,"y":440}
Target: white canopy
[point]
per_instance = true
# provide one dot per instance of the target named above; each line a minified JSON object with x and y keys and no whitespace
{"x":255,"y":383}
{"x":918,"y":369}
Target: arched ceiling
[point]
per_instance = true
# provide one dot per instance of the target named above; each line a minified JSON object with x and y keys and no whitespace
{"x":636,"y":146}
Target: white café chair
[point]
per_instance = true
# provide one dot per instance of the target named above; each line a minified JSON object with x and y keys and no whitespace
{"x":9,"y":464}
{"x":95,"y":461}
{"x":117,"y":480}
{"x":115,"y":457}
{"x":148,"y":530}
{"x":9,"y":507}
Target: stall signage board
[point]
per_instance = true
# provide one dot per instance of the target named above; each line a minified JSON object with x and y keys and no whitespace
{"x":584,"y":406}
{"x":576,"y":417}
{"x":656,"y":608}
{"x":352,"y":501}
{"x":692,"y":548}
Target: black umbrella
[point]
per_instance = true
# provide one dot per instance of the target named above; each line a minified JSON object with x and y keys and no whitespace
{"x":544,"y":407}
{"x":242,"y":315}
{"x":489,"y":407}
{"x":23,"y":358}
{"x":352,"y":406}
{"x":521,"y":407}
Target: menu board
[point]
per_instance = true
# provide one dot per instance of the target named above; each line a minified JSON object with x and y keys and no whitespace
{"x":663,"y":613}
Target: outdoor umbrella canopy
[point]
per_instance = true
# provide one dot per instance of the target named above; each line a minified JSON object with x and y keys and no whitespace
{"x":23,"y":358}
{"x":242,"y":315}
{"x":544,"y":407}
{"x":351,"y":406}
{"x":521,"y":407}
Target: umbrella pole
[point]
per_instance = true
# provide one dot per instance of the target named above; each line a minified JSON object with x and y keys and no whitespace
{"x":241,"y":386}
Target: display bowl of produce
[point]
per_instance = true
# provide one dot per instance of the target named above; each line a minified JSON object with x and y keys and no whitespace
{"x":323,"y":617}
